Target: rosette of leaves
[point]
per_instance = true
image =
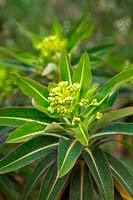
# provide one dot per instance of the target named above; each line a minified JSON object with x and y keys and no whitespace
{"x":65,"y":130}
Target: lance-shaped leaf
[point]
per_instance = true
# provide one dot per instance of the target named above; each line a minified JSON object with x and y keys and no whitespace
{"x":114,"y":115}
{"x":35,"y":38}
{"x":91,"y":91}
{"x":81,"y":185}
{"x":114,"y":83}
{"x":79,"y":31}
{"x":102,"y":50}
{"x":82,"y":133}
{"x":20,"y":116}
{"x":83,"y":75}
{"x":25,"y":132}
{"x":33,"y":90}
{"x":68,"y":153}
{"x":99,"y":168}
{"x":22,"y":57}
{"x":121,"y":174}
{"x":65,"y":68}
{"x":52,"y":186}
{"x":115,"y":128}
{"x":37,"y":173}
{"x":28,"y":152}
{"x":94,"y":61}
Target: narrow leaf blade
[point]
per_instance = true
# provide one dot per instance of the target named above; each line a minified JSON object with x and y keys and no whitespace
{"x":114,"y":115}
{"x":102,"y":175}
{"x":114,"y":83}
{"x":52,"y":186}
{"x":37,"y":173}
{"x":83,"y":75}
{"x":121,"y":174}
{"x":25,"y":132}
{"x":65,"y":68}
{"x":28,"y":152}
{"x":19,"y":116}
{"x":33,"y":90}
{"x":113,"y":129}
{"x":81,"y":184}
{"x":68,"y":153}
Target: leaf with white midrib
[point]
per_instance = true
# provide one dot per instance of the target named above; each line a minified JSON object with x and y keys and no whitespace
{"x":102,"y":175}
{"x":37,"y":173}
{"x":121,"y":174}
{"x":52,"y":185}
{"x":28,"y":152}
{"x":81,"y":184}
{"x":114,"y":115}
{"x":65,"y":68}
{"x":25,"y":132}
{"x":34,"y":90}
{"x":68,"y":153}
{"x":18,"y":116}
{"x":83,"y":75}
{"x":113,"y":129}
{"x":114,"y":83}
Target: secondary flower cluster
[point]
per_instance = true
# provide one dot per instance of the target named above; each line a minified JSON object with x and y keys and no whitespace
{"x":51,"y":46}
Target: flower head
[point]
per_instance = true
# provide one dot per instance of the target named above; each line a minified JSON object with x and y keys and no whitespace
{"x":51,"y":46}
{"x":62,"y":99}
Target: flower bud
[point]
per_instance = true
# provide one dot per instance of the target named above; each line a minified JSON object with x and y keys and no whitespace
{"x":99,"y":115}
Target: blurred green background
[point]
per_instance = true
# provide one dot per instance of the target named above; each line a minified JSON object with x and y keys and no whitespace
{"x":112,"y":20}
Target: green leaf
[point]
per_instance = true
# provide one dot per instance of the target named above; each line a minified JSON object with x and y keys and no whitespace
{"x":35,"y":38}
{"x":52,"y":186}
{"x":68,"y":153}
{"x":114,"y":83}
{"x":83,"y":75}
{"x":78,"y":26}
{"x":112,"y":97}
{"x":20,"y":116}
{"x":99,"y":168}
{"x":114,"y":115}
{"x":57,"y":29}
{"x":37,"y":173}
{"x":65,"y":68}
{"x":102,"y":50}
{"x":33,"y":90}
{"x":82,"y":133}
{"x":81,"y":185}
{"x":16,"y":64}
{"x":23,"y":57}
{"x":79,"y":31}
{"x":94,"y":61}
{"x":28,"y":152}
{"x":91,"y":91}
{"x":113,"y":129}
{"x":121,"y":174}
{"x":5,"y":189}
{"x":25,"y":132}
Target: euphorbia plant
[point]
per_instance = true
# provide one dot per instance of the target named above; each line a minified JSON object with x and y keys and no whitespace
{"x":66,"y":128}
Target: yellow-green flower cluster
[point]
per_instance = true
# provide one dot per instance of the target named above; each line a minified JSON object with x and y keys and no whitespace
{"x":51,"y":46}
{"x":84,"y":103}
{"x":62,"y":99}
{"x":99,"y":115}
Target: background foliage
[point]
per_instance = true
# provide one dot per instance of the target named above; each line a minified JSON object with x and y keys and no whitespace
{"x":112,"y":20}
